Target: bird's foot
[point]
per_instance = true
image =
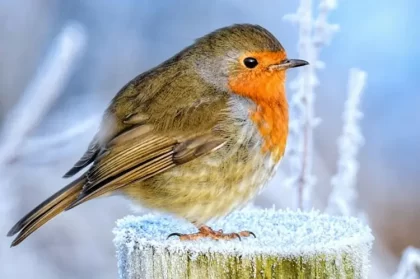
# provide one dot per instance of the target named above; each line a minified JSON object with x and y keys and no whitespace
{"x":207,"y":232}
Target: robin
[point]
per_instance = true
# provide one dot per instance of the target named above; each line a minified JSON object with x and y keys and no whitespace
{"x":197,"y":136}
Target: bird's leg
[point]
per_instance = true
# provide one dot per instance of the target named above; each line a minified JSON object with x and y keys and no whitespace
{"x":207,"y":232}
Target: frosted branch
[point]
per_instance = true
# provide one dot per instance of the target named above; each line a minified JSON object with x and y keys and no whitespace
{"x":344,"y":194}
{"x":40,"y":95}
{"x":44,"y":89}
{"x":409,"y":267}
{"x":313,"y":34}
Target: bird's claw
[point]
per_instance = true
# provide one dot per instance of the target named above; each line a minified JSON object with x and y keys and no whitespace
{"x":173,"y":234}
{"x":207,"y":232}
{"x":247,"y":233}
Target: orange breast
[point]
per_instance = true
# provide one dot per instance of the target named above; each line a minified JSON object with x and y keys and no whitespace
{"x":272,"y":123}
{"x":267,"y":90}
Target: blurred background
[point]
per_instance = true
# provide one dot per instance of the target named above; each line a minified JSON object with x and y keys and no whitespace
{"x":50,"y":109}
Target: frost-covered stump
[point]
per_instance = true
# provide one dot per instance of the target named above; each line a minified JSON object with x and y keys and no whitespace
{"x":288,"y":245}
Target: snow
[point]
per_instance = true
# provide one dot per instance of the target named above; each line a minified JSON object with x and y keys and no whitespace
{"x":285,"y":234}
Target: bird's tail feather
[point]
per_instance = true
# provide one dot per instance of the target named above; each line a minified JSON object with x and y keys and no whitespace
{"x":46,"y":211}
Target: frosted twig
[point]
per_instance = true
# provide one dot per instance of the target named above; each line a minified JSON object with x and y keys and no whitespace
{"x":35,"y":102}
{"x":409,"y":267}
{"x":313,"y":34}
{"x":44,"y":89}
{"x":344,"y":195}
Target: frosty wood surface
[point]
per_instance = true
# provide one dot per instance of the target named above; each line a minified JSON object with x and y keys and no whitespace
{"x":288,"y":245}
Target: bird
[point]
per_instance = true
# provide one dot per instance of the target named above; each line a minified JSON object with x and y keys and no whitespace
{"x":197,"y":136}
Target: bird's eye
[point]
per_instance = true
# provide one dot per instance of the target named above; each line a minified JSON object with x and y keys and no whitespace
{"x":250,"y":62}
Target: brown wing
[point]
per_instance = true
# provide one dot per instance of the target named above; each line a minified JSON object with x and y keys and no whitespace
{"x":171,"y":97}
{"x":139,"y":154}
{"x":153,"y":124}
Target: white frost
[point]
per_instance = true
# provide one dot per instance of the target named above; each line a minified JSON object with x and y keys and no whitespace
{"x":281,"y":233}
{"x":344,"y":194}
{"x":313,"y":34}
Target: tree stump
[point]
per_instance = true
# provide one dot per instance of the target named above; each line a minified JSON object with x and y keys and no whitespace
{"x":289,"y":244}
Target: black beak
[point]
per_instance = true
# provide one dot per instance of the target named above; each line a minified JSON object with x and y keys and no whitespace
{"x":289,"y":63}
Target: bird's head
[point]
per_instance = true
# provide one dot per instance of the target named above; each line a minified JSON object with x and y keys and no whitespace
{"x":244,"y":59}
